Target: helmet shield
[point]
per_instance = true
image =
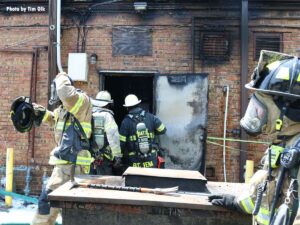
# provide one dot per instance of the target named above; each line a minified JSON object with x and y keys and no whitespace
{"x":255,"y":117}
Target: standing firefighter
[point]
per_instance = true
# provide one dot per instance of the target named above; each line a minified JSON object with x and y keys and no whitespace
{"x":72,"y":127}
{"x":106,"y":141}
{"x":274,"y":109}
{"x":137,"y":135}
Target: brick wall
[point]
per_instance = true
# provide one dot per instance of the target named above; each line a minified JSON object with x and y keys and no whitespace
{"x":172,"y":54}
{"x":15,"y":70}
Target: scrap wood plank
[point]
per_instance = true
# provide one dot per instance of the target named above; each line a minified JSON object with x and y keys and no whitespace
{"x":100,"y":196}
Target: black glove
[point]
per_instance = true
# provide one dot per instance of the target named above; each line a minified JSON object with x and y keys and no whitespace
{"x":117,"y":163}
{"x":226,"y":201}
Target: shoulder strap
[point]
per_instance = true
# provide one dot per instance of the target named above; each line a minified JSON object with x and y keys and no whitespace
{"x":80,"y":129}
{"x":64,"y":127}
{"x":99,"y":110}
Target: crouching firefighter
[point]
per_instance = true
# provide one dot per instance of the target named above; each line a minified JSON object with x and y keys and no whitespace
{"x":274,"y":109}
{"x":71,"y":121}
{"x":105,"y":136}
{"x":137,"y":136}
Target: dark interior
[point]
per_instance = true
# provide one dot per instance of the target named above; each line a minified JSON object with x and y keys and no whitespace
{"x":120,"y":85}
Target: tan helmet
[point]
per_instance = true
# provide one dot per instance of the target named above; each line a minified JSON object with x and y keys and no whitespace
{"x":103,"y":98}
{"x":131,"y":100}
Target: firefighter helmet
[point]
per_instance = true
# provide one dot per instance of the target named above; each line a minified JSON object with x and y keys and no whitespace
{"x":131,"y":100}
{"x":277,"y":74}
{"x":22,"y":114}
{"x":103,"y":98}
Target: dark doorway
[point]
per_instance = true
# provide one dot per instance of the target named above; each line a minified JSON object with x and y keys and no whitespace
{"x":120,"y":85}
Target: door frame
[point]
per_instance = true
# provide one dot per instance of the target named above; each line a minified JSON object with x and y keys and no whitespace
{"x":133,"y":73}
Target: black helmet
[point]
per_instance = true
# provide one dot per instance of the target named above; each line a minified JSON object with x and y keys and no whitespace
{"x":277,"y":74}
{"x":22,"y":114}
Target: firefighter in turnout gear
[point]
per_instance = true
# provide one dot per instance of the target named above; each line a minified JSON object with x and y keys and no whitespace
{"x":71,"y":122}
{"x":137,"y":135}
{"x":274,"y":109}
{"x":106,"y":142}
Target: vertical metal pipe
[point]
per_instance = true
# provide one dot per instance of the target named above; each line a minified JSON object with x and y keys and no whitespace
{"x":58,"y":57}
{"x":193,"y":45}
{"x":33,"y":97}
{"x":226,"y":89}
{"x":52,"y":67}
{"x":244,"y":75}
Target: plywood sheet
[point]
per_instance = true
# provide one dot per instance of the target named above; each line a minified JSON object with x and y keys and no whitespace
{"x":169,"y":173}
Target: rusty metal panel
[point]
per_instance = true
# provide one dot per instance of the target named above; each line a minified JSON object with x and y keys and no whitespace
{"x":132,"y":41}
{"x":97,"y":214}
{"x":181,"y":104}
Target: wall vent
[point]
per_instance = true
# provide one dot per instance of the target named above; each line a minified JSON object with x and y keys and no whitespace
{"x":267,"y":41}
{"x":214,"y":46}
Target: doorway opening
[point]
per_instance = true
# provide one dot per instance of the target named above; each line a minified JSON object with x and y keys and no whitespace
{"x":120,"y":85}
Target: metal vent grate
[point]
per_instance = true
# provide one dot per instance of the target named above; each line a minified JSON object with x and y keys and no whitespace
{"x":214,"y":46}
{"x":270,"y":42}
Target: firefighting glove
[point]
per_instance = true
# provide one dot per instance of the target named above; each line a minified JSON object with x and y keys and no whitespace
{"x":39,"y":113}
{"x":226,"y":201}
{"x":117,"y":163}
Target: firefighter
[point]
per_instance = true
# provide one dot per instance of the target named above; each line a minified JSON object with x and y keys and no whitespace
{"x":137,"y":135}
{"x":274,"y":109}
{"x":71,"y":121}
{"x":106,"y":141}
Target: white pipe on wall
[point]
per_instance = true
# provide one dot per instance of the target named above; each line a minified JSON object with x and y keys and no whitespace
{"x":226,"y":89}
{"x":58,"y":27}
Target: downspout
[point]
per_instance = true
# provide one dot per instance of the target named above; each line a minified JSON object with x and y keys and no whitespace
{"x":225,"y":89}
{"x":58,"y":27}
{"x":244,"y":76}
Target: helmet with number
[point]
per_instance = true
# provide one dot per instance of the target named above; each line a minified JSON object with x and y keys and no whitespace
{"x":277,"y":74}
{"x":22,"y":114}
{"x":131,"y":100}
{"x":103,"y":98}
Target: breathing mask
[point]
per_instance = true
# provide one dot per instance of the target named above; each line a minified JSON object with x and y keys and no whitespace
{"x":54,"y":97}
{"x":255,"y":117}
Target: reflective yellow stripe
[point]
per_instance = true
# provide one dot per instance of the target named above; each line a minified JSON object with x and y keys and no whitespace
{"x":151,"y":135}
{"x":55,"y":161}
{"x":283,"y":73}
{"x":133,"y":153}
{"x":84,"y":161}
{"x":60,"y":125}
{"x":87,"y":128}
{"x":109,"y":157}
{"x":161,"y":128}
{"x":247,"y":205}
{"x":77,"y":106}
{"x":122,"y":138}
{"x":263,"y":216}
{"x":132,"y":138}
{"x":298,"y":79}
{"x":273,"y":65}
{"x":46,"y":116}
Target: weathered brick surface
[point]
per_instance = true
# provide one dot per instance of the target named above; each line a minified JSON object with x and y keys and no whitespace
{"x":172,"y":54}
